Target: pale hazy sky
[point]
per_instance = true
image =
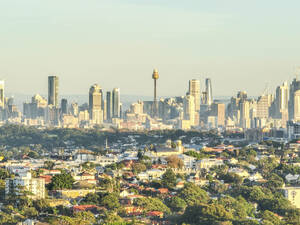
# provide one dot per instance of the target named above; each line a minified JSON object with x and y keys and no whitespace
{"x":239,"y":44}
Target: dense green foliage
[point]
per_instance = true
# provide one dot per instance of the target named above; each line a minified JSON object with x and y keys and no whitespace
{"x":61,"y":181}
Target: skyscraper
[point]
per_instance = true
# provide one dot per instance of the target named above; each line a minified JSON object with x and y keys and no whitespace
{"x":95,"y":104}
{"x":74,"y":109}
{"x":218,"y":110}
{"x":116,"y":104}
{"x":208,"y":90}
{"x":108,"y":105}
{"x":194,"y":90}
{"x":189,"y":109}
{"x":155,"y":77}
{"x":245,"y":114}
{"x":281,"y":101}
{"x":64,"y":106}
{"x":263,"y":104}
{"x":297,"y":106}
{"x":295,"y":86}
{"x":53,"y":91}
{"x":2,"y":101}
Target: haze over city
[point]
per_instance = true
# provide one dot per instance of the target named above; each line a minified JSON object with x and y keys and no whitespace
{"x":240,"y":45}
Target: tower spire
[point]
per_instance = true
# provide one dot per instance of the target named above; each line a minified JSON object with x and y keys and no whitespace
{"x":155,"y":77}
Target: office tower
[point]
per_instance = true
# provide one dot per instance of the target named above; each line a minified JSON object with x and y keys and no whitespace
{"x":245,"y":114}
{"x":52,"y":115}
{"x":155,"y":77}
{"x":2,"y":100}
{"x":104,"y":110}
{"x":116,"y":105}
{"x":194,"y":90}
{"x":294,"y":86}
{"x":40,"y":103}
{"x":208,"y":90}
{"x":30,"y":110}
{"x":64,"y":106}
{"x":74,"y":109}
{"x":53,"y":91}
{"x":242,"y":95}
{"x":297,"y":106}
{"x":263,"y":104}
{"x":281,"y":100}
{"x":218,"y":111}
{"x":39,"y":100}
{"x":95,"y":104}
{"x":109,"y":105}
{"x":137,"y":107}
{"x":189,"y":109}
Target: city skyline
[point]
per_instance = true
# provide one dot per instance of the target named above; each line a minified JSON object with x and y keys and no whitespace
{"x":201,"y":39}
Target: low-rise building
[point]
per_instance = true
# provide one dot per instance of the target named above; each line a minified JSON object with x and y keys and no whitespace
{"x":293,"y":195}
{"x":24,"y":183}
{"x":208,"y":163}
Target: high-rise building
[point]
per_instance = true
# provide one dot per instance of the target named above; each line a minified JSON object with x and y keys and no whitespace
{"x":263,"y":105}
{"x":116,"y":104}
{"x":74,"y":109}
{"x":294,"y":86}
{"x":194,"y":90}
{"x":95,"y":104}
{"x":2,"y":99}
{"x":155,"y":77}
{"x":281,"y":100}
{"x":245,"y":114}
{"x":109,"y":105}
{"x":39,"y":100}
{"x":52,"y":115}
{"x":137,"y":107}
{"x":53,"y":91}
{"x":218,"y":111}
{"x":189,"y":109}
{"x":242,"y":95}
{"x":64,"y":106}
{"x":297,"y":106}
{"x":104,"y":109}
{"x":208,"y":90}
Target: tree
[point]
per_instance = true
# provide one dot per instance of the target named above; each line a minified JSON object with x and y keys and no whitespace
{"x":274,"y":182}
{"x":138,"y":167}
{"x":174,"y":161}
{"x":152,"y":204}
{"x":41,"y":205}
{"x":239,"y":207}
{"x":33,"y":155}
{"x":270,"y":217}
{"x":80,"y":218}
{"x":111,"y":217}
{"x":49,"y":165}
{"x":110,"y":201}
{"x":91,"y":199}
{"x":193,"y":194}
{"x":293,"y":217}
{"x":256,"y":194}
{"x":169,"y":179}
{"x":177,"y":204}
{"x":61,"y":181}
{"x":88,"y":166}
{"x":30,"y":212}
{"x":83,"y":218}
{"x":4,"y":174}
{"x":231,"y":178}
{"x":205,"y":214}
